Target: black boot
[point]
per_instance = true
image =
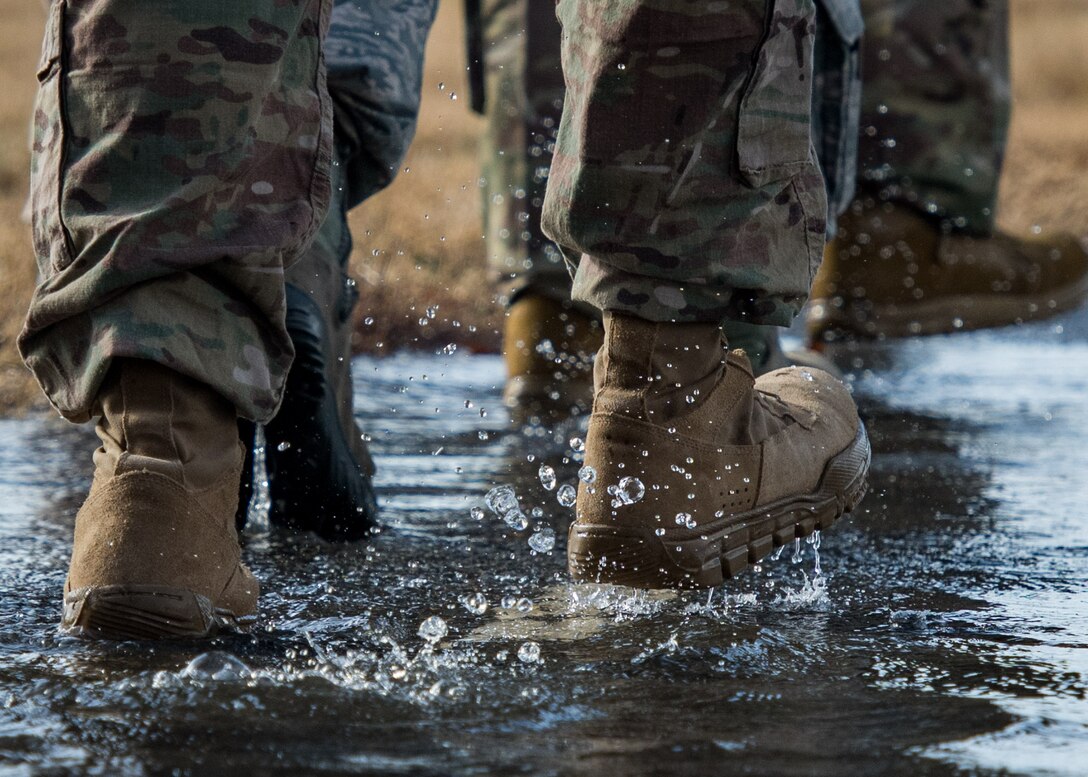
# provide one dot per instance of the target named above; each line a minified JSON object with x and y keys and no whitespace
{"x":319,"y":469}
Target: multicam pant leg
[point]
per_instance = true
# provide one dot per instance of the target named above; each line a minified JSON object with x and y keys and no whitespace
{"x":523,"y":97}
{"x":374,"y":58}
{"x":374,"y":53}
{"x":935,"y":105}
{"x":180,"y":161}
{"x":684,"y":182}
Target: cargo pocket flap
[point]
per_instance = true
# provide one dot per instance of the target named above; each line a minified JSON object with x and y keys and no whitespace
{"x":774,"y":132}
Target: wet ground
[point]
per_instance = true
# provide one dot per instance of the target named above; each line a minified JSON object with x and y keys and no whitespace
{"x":944,"y":631}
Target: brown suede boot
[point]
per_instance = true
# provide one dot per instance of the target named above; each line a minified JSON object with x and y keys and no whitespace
{"x":156,"y":554}
{"x":549,"y":350}
{"x":891,"y":272}
{"x":700,"y":468}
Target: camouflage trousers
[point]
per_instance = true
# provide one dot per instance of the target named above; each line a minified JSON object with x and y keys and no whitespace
{"x":936,"y":106}
{"x":934,"y":116}
{"x":684,"y":183}
{"x":181,"y":161}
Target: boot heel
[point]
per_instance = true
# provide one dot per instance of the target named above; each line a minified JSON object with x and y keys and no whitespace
{"x":144,"y":612}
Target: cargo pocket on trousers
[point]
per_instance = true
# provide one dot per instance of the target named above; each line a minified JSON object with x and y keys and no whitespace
{"x":774,"y":128}
{"x":52,"y":244}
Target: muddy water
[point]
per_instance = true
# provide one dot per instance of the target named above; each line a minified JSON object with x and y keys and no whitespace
{"x":947,"y":633}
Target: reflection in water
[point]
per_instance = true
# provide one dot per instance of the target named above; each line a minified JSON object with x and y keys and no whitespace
{"x":947,"y":632}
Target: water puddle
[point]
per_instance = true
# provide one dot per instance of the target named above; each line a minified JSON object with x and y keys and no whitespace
{"x":943,"y":629}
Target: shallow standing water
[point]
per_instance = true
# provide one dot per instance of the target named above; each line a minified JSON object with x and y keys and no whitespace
{"x":947,"y":633}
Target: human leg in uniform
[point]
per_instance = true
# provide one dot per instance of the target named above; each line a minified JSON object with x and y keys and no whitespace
{"x":917,"y":252}
{"x":685,"y":189}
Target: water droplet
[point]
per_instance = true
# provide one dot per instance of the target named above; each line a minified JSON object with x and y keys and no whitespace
{"x":543,"y":540}
{"x":283,"y":446}
{"x":501,"y":500}
{"x":547,"y":477}
{"x":566,"y":495}
{"x":477,"y":513}
{"x":807,"y":375}
{"x":529,"y":653}
{"x":577,"y":444}
{"x":587,"y":474}
{"x":475,"y":603}
{"x":630,"y":490}
{"x":659,"y":532}
{"x":516,"y":520}
{"x":216,"y":665}
{"x":524,"y":604}
{"x":433,"y":629}
{"x":508,"y":602}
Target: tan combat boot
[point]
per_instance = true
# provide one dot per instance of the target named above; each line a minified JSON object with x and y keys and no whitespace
{"x":156,"y":554}
{"x":891,"y":272}
{"x":700,"y":468}
{"x":549,"y":350}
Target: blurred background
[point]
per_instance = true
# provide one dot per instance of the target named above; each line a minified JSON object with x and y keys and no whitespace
{"x":419,"y":244}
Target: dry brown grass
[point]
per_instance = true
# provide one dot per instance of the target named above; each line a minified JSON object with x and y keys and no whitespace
{"x":1045,"y":182}
{"x":419,"y":243}
{"x":21,"y":24}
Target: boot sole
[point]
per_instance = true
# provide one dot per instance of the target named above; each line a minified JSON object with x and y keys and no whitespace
{"x":145,"y":612}
{"x":638,"y":558}
{"x":939,"y":316}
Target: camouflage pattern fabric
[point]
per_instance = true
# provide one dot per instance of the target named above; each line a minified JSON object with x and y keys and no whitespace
{"x":916,"y":145}
{"x":521,"y":97}
{"x":836,"y":105}
{"x":181,"y":161}
{"x":935,"y":107}
{"x":374,"y":54}
{"x":522,"y":100}
{"x":684,"y":183}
